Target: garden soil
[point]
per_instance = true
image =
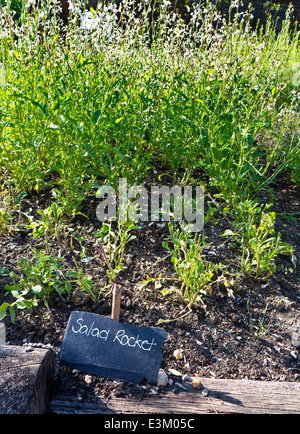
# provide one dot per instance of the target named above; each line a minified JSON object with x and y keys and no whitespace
{"x":219,"y":338}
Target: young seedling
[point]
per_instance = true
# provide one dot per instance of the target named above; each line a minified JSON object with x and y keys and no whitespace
{"x":265,"y":324}
{"x":116,"y":292}
{"x":113,"y":256}
{"x":195,"y":274}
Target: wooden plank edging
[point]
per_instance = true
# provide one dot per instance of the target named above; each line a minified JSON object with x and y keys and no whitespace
{"x":221,"y":396}
{"x":26,"y":377}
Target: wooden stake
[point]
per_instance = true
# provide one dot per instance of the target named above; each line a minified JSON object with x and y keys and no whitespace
{"x":115,"y":310}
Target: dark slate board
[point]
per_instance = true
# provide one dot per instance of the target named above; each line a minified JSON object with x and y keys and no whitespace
{"x":102,"y":346}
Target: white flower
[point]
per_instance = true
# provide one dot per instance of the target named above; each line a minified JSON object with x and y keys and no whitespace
{"x":235,"y":4}
{"x":29,"y":3}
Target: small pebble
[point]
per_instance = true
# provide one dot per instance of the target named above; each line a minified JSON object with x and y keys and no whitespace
{"x":180,"y":386}
{"x":80,"y":298}
{"x":205,"y":392}
{"x":293,"y":354}
{"x":296,"y":339}
{"x":88,"y":379}
{"x":211,"y":253}
{"x":162,"y":378}
{"x":197,"y":384}
{"x":186,"y":378}
{"x":153,"y":392}
{"x":178,"y":354}
{"x":175,"y":372}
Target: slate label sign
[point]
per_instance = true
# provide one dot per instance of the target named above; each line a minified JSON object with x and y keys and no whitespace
{"x":102,"y":346}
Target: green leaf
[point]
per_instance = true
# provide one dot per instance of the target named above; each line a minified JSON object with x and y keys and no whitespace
{"x":13,"y":287}
{"x":165,"y":245}
{"x":228,"y":233}
{"x":68,"y":286}
{"x":37,"y":289}
{"x":71,"y":273}
{"x":3,"y":308}
{"x":23,"y":304}
{"x":3,"y":270}
{"x":203,"y":105}
{"x":12,"y":314}
{"x":96,"y":116}
{"x":81,"y":213}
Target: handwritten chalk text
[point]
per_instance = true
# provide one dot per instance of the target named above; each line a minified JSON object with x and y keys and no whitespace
{"x":133,"y":341}
{"x":120,"y":336}
{"x":90,"y":331}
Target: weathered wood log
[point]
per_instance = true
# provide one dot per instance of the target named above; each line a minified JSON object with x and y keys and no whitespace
{"x":26,"y":376}
{"x":220,"y":396}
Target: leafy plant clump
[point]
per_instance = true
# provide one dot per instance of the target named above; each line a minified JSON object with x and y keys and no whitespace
{"x":34,"y":280}
{"x":111,"y":245}
{"x":259,"y":243}
{"x":269,"y":321}
{"x":194,"y":273}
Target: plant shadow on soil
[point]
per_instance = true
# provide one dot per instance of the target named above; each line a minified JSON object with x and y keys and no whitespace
{"x":216,"y":341}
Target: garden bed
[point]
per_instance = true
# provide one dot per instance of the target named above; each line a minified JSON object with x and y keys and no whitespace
{"x":217,"y":340}
{"x":208,"y":103}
